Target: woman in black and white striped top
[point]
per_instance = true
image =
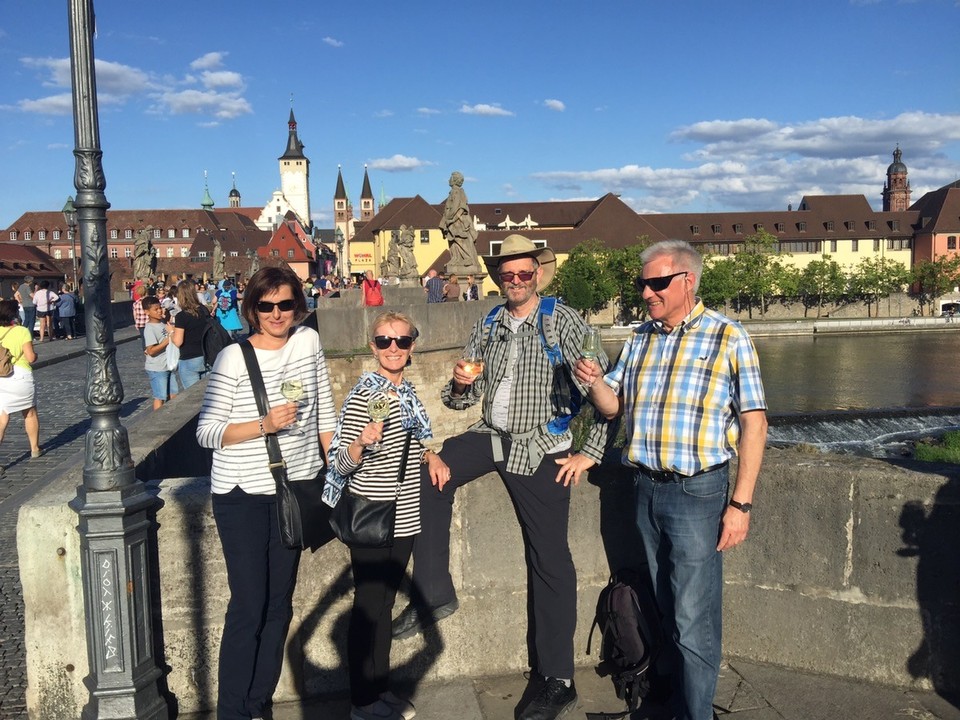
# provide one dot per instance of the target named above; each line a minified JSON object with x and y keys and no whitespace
{"x":261,"y":572}
{"x":375,"y":474}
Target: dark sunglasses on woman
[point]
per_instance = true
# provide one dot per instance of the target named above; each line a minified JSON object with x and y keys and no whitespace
{"x":283,"y":306}
{"x":383,"y":341}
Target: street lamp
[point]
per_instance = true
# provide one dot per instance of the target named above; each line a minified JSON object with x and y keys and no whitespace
{"x":339,"y":236}
{"x":70,"y":217}
{"x":114,"y":507}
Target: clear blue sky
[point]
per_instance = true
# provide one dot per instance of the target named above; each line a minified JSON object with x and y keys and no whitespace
{"x":677,"y":106}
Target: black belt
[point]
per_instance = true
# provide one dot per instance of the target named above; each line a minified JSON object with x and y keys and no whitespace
{"x":668,"y":476}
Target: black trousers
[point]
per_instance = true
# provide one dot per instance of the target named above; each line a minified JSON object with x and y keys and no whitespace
{"x":543,"y":509}
{"x":262,"y":574}
{"x":377,"y":573}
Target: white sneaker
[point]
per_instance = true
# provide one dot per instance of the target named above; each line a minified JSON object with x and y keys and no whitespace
{"x":377,"y":711}
{"x":402,"y":707}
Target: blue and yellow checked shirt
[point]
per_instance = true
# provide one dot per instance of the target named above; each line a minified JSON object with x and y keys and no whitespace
{"x":684,"y":391}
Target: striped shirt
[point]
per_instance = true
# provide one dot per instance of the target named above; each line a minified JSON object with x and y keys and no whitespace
{"x":684,"y":391}
{"x":229,"y":399}
{"x":375,"y":476}
{"x":538,"y":394}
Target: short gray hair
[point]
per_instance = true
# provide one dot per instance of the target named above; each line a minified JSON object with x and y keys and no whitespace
{"x":683,"y":254}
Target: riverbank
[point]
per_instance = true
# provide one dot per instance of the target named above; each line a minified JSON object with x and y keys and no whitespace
{"x":764,"y":328}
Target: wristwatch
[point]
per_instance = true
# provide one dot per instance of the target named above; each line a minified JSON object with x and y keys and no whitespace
{"x":742,"y":507}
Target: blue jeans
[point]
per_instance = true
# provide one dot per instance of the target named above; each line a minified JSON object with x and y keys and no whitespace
{"x":163,"y":384}
{"x":680,"y":524}
{"x":191,"y":371}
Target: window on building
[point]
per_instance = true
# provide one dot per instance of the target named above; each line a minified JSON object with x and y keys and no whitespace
{"x":234,"y":253}
{"x":42,"y":235}
{"x":695,"y":229}
{"x":275,"y":253}
{"x":802,"y":226}
{"x":28,"y":235}
{"x":719,"y":248}
{"x":128,"y":234}
{"x":716,"y":228}
{"x":184,"y":251}
{"x":70,"y":254}
{"x":56,"y":254}
{"x":833,"y":246}
{"x":157,"y":234}
{"x":498,"y":211}
{"x":69,"y":234}
{"x":56,"y":234}
{"x":170,"y":251}
{"x":855,"y":245}
{"x":876,"y":245}
{"x":171,"y":232}
{"x":113,"y":234}
{"x":185,"y":232}
{"x":13,"y":234}
{"x":128,"y":252}
{"x":202,"y":254}
{"x":290,"y":254}
{"x":898,"y":243}
{"x":829,"y":225}
{"x":738,"y":228}
{"x":779,"y":227}
{"x":871,"y":224}
{"x":800,"y":246}
{"x":424,"y":237}
{"x":952,"y":242}
{"x":758,"y":227}
{"x":113,"y":253}
{"x":894,"y":225}
{"x":850,"y":224}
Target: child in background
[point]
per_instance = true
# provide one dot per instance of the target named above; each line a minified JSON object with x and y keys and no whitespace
{"x":156,"y":337}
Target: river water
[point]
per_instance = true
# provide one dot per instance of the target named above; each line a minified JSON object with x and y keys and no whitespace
{"x":865,"y":393}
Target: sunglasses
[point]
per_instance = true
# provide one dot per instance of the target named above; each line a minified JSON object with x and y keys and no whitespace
{"x":383,"y":341}
{"x":266,"y":308}
{"x":524,"y":275}
{"x":657,"y":283}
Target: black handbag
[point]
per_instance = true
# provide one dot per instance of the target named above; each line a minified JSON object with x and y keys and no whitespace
{"x":363,"y":523}
{"x":303,"y":517}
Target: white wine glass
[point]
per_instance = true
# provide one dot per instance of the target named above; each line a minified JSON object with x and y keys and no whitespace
{"x":591,"y":346}
{"x":291,"y":387}
{"x":378,"y":408}
{"x":473,"y":364}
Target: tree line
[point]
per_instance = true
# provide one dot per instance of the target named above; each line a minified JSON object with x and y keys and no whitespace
{"x":752,"y":279}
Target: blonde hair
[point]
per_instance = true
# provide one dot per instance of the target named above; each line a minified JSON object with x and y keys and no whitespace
{"x":391,"y":316}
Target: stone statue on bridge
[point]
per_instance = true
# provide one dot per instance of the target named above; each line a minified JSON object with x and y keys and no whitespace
{"x":458,"y":230}
{"x":143,"y":259}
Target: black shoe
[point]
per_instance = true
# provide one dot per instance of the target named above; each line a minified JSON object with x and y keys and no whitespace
{"x":414,"y":620}
{"x":555,"y":700}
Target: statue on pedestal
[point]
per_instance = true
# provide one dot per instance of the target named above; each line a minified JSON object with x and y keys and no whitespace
{"x":458,"y":230}
{"x":254,"y":262}
{"x":218,"y":269}
{"x":408,"y":263}
{"x":143,"y":260}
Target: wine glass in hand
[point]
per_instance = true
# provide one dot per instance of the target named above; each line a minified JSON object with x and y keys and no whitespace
{"x":473,"y":364}
{"x":378,"y":408}
{"x":291,"y":387}
{"x":591,"y":345}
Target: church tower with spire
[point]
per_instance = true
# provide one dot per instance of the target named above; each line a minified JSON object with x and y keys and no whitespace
{"x":342,"y":208}
{"x":295,"y":174}
{"x":366,"y":198}
{"x":234,"y":194}
{"x":896,"y":191}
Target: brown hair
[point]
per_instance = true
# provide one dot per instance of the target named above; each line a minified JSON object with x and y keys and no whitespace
{"x":267,"y":280}
{"x":187,"y":297}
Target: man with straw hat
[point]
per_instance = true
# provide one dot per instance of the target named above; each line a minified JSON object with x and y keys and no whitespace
{"x":522,"y":373}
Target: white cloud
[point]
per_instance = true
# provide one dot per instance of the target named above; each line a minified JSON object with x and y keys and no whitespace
{"x":209,"y":61}
{"x":427,"y":111}
{"x":116,"y":83}
{"x":383,"y":113}
{"x":398,"y":163}
{"x":759,"y":164}
{"x":61,"y":104}
{"x":222,"y":79}
{"x":224,"y":106}
{"x":333,"y":42}
{"x":556,"y":105}
{"x":493,"y":110}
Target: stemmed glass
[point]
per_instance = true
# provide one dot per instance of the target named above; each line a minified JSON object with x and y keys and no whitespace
{"x":591,"y":345}
{"x":291,"y":387}
{"x":473,"y":364}
{"x":378,"y":408}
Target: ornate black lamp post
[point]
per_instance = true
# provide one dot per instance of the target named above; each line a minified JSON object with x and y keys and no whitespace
{"x":112,"y":504}
{"x":339,"y":236}
{"x":70,"y":218}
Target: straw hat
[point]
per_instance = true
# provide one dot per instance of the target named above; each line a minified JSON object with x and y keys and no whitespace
{"x":517,"y":246}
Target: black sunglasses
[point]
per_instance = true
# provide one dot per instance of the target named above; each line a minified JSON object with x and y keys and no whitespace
{"x":656,"y":283}
{"x":283,"y":306}
{"x":383,"y":341}
{"x":524,"y":275}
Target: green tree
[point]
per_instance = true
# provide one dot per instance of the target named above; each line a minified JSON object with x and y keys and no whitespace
{"x":933,"y":278}
{"x":583,"y":281}
{"x":758,"y":266}
{"x":718,"y":285}
{"x":876,"y":278}
{"x":623,"y":266}
{"x":820,"y":282}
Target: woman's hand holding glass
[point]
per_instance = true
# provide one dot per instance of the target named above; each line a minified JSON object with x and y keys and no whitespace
{"x":291,"y":387}
{"x":378,"y":408}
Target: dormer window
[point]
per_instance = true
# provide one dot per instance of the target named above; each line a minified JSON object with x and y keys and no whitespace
{"x":829,"y":225}
{"x":850,"y":225}
{"x":716,"y":228}
{"x":871,"y":224}
{"x":802,"y":226}
{"x":895,"y":225}
{"x":185,"y":232}
{"x":128,"y":234}
{"x":113,"y":234}
{"x":171,"y":233}
{"x":758,"y":227}
{"x":156,"y":233}
{"x":695,"y":229}
{"x":13,"y":235}
{"x":56,"y":234}
{"x":27,"y":235}
{"x":497,"y":211}
{"x":779,"y":227}
{"x":738,"y":228}
{"x":41,"y":235}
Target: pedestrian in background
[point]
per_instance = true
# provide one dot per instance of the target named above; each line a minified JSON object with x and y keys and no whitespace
{"x":189,"y":324}
{"x":68,"y":311}
{"x":17,"y":391}
{"x":46,"y":300}
{"x":163,"y":381}
{"x":24,"y":296}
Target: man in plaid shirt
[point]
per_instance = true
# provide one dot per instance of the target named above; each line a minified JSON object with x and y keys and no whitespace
{"x":688,"y":385}
{"x":519,"y":437}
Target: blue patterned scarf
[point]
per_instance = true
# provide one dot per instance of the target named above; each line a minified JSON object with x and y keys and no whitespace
{"x":413,"y":418}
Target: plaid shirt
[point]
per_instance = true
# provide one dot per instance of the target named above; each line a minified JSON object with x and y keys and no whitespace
{"x":537,"y":394}
{"x":140,"y":318}
{"x":684,"y":391}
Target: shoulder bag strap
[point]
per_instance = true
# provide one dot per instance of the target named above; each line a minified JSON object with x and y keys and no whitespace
{"x":403,"y":462}
{"x":277,"y":465}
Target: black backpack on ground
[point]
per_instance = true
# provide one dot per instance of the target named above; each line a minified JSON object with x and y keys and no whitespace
{"x":630,"y":638}
{"x":214,"y":339}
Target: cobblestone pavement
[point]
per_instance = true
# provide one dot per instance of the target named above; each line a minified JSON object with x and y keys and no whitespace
{"x":60,"y":378}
